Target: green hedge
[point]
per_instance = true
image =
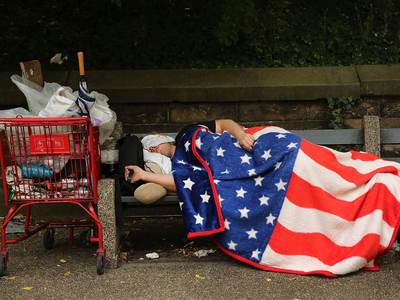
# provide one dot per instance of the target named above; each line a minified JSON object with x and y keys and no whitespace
{"x":154,"y":34}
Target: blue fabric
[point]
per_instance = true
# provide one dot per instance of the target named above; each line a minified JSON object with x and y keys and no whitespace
{"x":222,"y":187}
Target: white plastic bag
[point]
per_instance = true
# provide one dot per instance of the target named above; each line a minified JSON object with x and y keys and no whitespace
{"x":102,"y":116}
{"x":37,"y":97}
{"x":13,"y":113}
{"x":60,"y":104}
{"x":54,"y":100}
{"x":18,"y":111}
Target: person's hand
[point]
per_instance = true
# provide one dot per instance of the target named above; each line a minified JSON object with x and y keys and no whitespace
{"x":137,"y":172}
{"x":246,"y":141}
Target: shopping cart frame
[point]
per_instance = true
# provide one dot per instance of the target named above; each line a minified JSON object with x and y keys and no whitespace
{"x":81,"y":135}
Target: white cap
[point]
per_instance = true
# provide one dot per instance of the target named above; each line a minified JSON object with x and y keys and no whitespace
{"x":156,"y":139}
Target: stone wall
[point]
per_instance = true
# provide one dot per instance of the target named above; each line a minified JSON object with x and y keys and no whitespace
{"x":294,"y":98}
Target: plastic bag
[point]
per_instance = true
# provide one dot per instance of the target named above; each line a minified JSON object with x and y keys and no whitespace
{"x":55,"y":162}
{"x":37,"y":97}
{"x":102,"y":116}
{"x":18,"y":111}
{"x":54,"y":100}
{"x":36,"y":171}
{"x":61,"y":103}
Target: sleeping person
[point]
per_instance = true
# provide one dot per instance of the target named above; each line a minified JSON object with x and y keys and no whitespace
{"x":155,"y":163}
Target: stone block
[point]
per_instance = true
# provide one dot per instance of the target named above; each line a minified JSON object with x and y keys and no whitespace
{"x":289,"y":125}
{"x":106,"y":214}
{"x":372,"y":135}
{"x":390,"y":107}
{"x":220,"y":85}
{"x":141,"y":113}
{"x":271,"y":111}
{"x":380,"y":80}
{"x":152,"y":128}
{"x":317,"y":110}
{"x":390,"y":123}
{"x":353,"y":123}
{"x":303,"y":124}
{"x":368,"y":106}
{"x":186,"y":113}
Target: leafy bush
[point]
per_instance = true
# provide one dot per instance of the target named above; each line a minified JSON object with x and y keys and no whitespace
{"x":337,"y":106}
{"x":154,"y":34}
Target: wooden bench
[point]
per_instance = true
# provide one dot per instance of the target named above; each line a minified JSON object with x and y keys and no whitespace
{"x":369,"y":139}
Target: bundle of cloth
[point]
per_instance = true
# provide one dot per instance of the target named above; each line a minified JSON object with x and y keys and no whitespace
{"x":288,"y":205}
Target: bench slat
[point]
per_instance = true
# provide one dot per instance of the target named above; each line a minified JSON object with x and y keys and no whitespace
{"x":390,"y":136}
{"x":332,"y":136}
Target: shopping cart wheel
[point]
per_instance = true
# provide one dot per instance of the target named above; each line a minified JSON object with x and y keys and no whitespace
{"x":3,"y":267}
{"x":100,"y":263}
{"x":85,"y":237}
{"x":48,"y":238}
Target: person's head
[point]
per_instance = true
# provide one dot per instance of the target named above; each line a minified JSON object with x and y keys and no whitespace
{"x":167,"y":149}
{"x":159,"y":143}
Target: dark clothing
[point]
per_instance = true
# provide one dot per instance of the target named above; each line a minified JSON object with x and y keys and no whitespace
{"x":210,"y":124}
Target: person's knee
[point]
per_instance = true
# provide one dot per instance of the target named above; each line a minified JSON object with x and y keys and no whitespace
{"x":152,"y":167}
{"x":149,"y":192}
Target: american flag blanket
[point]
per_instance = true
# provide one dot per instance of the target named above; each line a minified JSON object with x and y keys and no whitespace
{"x":288,"y":205}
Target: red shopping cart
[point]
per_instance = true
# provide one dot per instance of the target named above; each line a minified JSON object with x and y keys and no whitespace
{"x":48,"y":161}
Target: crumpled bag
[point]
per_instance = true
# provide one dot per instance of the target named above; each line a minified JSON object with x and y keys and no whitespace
{"x":37,"y":97}
{"x":14,"y":112}
{"x":10,"y":176}
{"x":54,"y":100}
{"x":153,"y":255}
{"x":61,"y":103}
{"x":101,"y":115}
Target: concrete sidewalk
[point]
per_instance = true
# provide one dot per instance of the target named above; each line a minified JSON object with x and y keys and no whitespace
{"x":173,"y":275}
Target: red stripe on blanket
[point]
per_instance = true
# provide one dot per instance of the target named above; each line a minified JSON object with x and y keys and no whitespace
{"x":377,"y":197}
{"x":321,"y":247}
{"x":268,"y":268}
{"x":327,"y":159}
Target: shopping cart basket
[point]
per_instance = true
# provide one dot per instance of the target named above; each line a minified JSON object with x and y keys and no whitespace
{"x":48,"y":161}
